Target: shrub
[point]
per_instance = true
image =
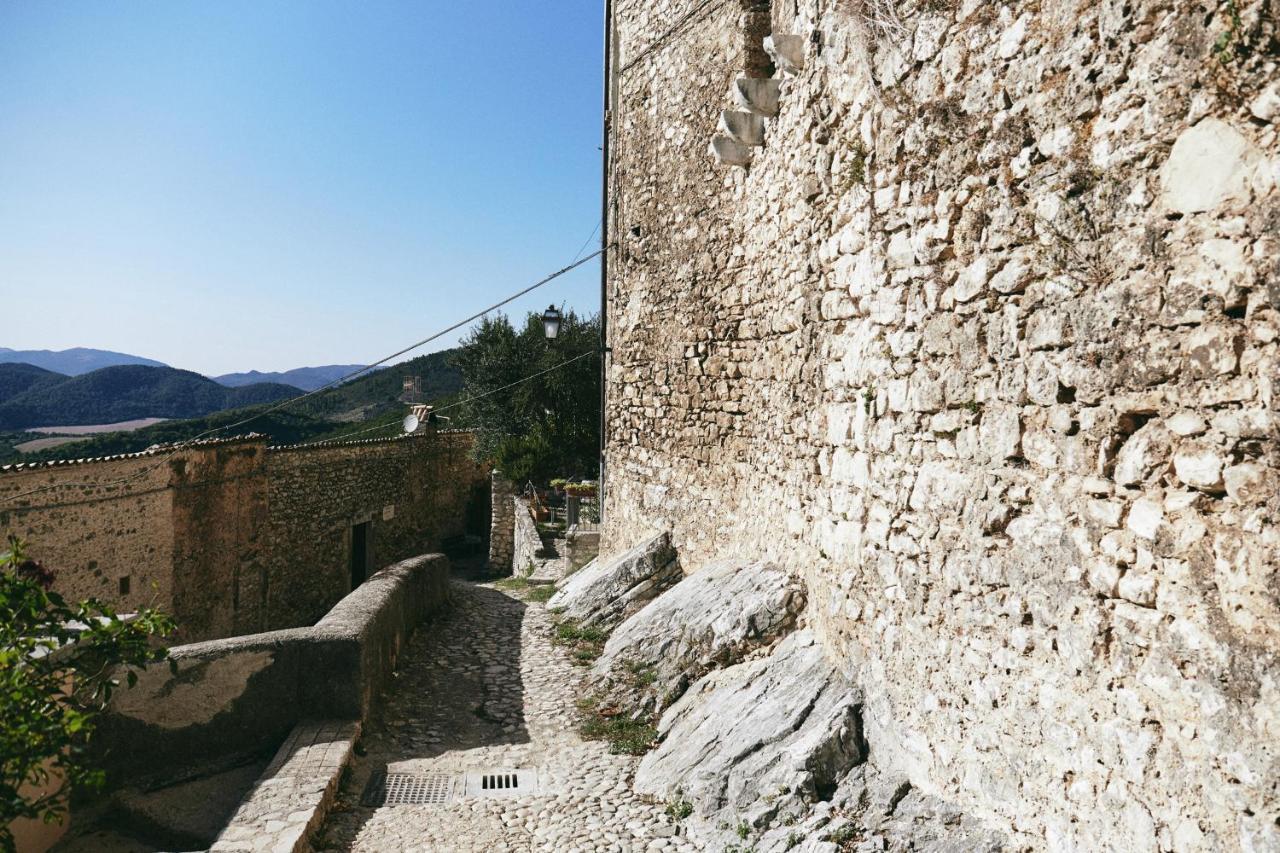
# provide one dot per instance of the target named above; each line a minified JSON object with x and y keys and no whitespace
{"x":59,"y":664}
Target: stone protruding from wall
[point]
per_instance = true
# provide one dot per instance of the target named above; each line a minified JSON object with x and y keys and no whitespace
{"x":786,"y":51}
{"x":984,"y":345}
{"x":501,"y":527}
{"x":609,"y":589}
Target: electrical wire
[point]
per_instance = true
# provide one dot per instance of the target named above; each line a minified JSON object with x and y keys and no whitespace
{"x":531,"y":376}
{"x":587,"y":241}
{"x":658,"y":42}
{"x":182,"y":445}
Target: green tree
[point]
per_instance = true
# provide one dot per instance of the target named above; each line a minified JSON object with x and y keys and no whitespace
{"x":59,"y":664}
{"x":548,"y":425}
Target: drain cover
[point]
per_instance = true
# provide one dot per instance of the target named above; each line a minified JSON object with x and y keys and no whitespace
{"x":427,"y":789}
{"x":493,"y":784}
{"x":410,"y":789}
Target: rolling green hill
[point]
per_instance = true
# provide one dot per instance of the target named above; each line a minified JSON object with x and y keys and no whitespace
{"x":18,"y":378}
{"x":376,"y":393}
{"x":127,"y":392}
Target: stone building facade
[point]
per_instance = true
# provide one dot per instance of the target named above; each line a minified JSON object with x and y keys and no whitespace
{"x":235,"y":537}
{"x":982,"y":341}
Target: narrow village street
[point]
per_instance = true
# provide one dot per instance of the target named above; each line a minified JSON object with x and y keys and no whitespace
{"x":483,"y":688}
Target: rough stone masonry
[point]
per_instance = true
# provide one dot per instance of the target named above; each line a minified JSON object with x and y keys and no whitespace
{"x":977,"y":334}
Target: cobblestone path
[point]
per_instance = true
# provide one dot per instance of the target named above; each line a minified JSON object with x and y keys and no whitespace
{"x":484,"y":688}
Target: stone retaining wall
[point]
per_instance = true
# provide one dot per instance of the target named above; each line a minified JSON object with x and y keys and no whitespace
{"x":984,"y":342}
{"x":240,"y":696}
{"x":528,"y":544}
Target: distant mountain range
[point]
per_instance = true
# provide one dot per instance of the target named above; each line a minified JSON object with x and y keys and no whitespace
{"x":32,"y":397}
{"x":306,"y":378}
{"x":73,"y":362}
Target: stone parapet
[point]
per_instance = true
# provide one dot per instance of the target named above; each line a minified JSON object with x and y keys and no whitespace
{"x":239,"y":696}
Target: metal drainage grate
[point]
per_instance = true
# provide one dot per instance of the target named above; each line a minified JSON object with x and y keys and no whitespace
{"x":493,"y":784}
{"x":410,"y":789}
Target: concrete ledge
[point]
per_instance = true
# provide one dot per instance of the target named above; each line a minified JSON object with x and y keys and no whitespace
{"x":243,"y":695}
{"x":291,"y":800}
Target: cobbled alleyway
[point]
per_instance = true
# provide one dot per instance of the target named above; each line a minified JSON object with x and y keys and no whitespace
{"x":483,"y":687}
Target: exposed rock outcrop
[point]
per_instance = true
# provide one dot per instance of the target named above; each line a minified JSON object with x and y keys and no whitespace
{"x":607,"y":590}
{"x":760,"y":741}
{"x":711,"y":619}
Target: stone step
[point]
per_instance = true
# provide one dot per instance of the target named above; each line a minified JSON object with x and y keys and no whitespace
{"x":746,"y":128}
{"x":757,"y":95}
{"x":729,"y":152}
{"x":786,"y":51}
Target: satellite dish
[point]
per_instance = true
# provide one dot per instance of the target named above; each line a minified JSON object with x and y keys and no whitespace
{"x":410,"y":423}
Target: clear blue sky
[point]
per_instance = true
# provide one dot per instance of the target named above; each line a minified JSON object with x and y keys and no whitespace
{"x":244,"y":185}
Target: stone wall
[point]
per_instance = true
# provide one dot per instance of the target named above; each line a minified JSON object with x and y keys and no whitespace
{"x":528,"y":544}
{"x":414,"y":494}
{"x":501,"y":525}
{"x":233,"y":537}
{"x":982,"y":342}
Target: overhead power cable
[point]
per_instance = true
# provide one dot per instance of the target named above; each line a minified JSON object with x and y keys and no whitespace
{"x":455,"y":405}
{"x":683,"y":21}
{"x":182,"y":445}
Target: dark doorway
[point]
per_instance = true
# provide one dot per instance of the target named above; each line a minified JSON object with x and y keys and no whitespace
{"x":359,"y":553}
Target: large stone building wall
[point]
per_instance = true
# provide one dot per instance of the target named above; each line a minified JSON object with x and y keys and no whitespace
{"x":233,"y":537}
{"x":414,"y":495}
{"x":982,"y":343}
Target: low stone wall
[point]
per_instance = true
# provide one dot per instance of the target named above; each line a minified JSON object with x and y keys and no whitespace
{"x":528,"y":543}
{"x":296,"y":791}
{"x":501,"y":528}
{"x":242,"y":696}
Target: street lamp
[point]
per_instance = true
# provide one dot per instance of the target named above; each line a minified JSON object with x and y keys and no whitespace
{"x":551,"y":322}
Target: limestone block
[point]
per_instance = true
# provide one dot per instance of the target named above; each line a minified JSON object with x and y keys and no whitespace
{"x":1138,"y":588}
{"x":1104,"y":576}
{"x":1145,"y":518}
{"x":1142,"y":454}
{"x":1199,"y":466}
{"x":972,"y":281}
{"x":1209,"y":165}
{"x":757,"y":95}
{"x":1000,"y":432}
{"x":1013,"y":276}
{"x":729,"y":152}
{"x":711,"y":618}
{"x":1267,"y":105}
{"x":606,"y":590}
{"x":745,"y":128}
{"x":1186,"y":424}
{"x":786,"y":51}
{"x":1246,"y":483}
{"x":1211,"y":351}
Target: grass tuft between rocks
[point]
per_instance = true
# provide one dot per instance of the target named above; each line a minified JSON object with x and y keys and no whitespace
{"x":626,"y":736}
{"x":584,"y":642}
{"x":542,"y":592}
